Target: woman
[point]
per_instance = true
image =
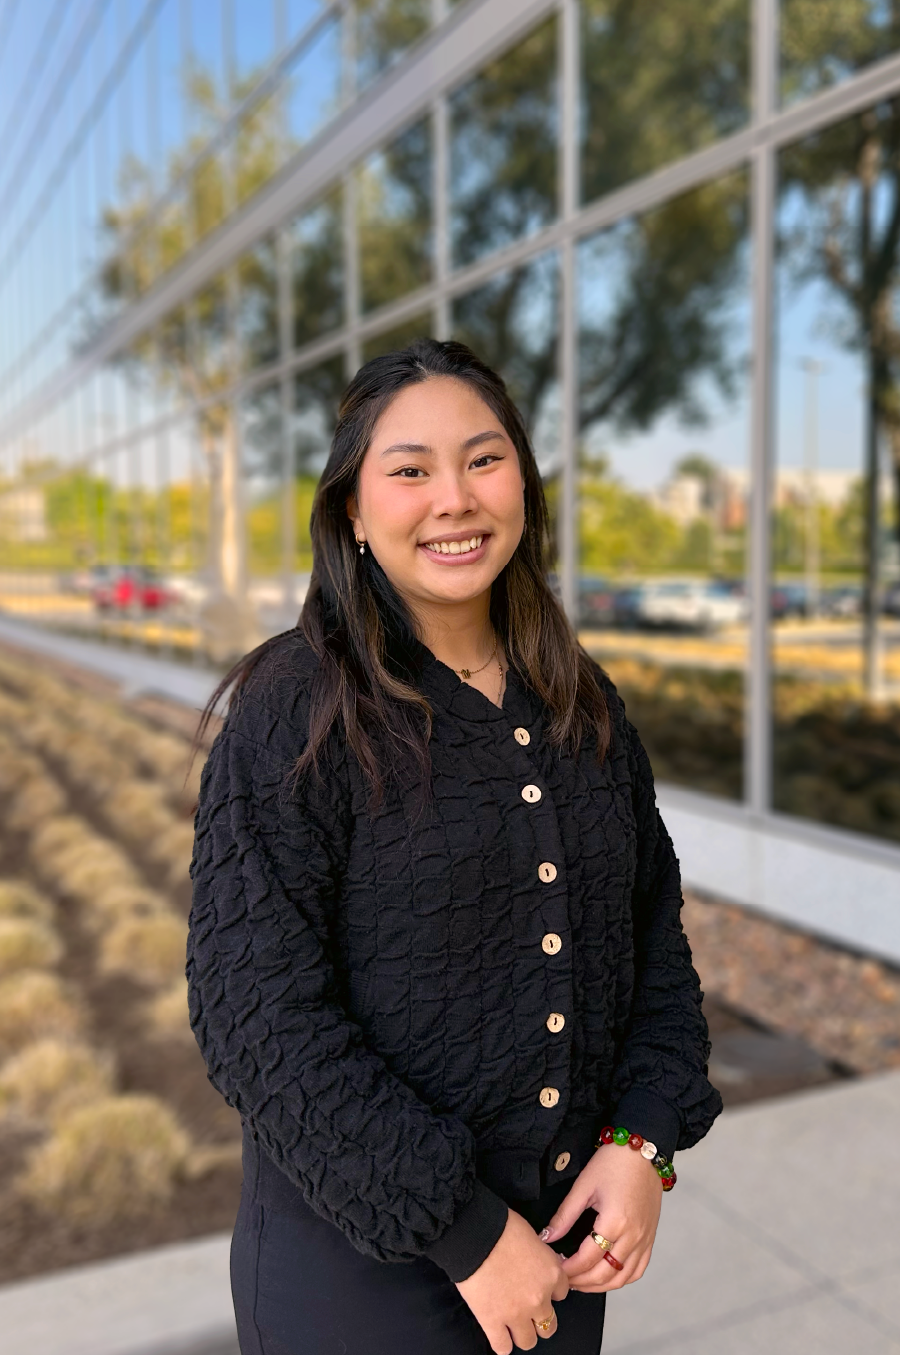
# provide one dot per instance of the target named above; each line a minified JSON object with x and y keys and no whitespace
{"x":435,"y":942}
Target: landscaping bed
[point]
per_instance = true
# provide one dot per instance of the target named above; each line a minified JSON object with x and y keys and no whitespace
{"x":111,"y":1137}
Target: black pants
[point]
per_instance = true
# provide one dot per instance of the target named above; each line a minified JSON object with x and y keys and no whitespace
{"x":301,"y":1288}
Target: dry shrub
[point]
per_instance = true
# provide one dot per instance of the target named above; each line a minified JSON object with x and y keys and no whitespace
{"x":150,"y":950}
{"x":26,"y":943}
{"x":139,"y":812}
{"x":121,"y":901}
{"x":50,"y":1078}
{"x":39,"y":799}
{"x":82,"y":872}
{"x":114,"y":1160}
{"x":174,"y":849}
{"x":51,"y":838}
{"x":17,"y":766}
{"x":94,"y":768}
{"x":167,"y":1014}
{"x":34,"y":1004}
{"x":18,"y":899}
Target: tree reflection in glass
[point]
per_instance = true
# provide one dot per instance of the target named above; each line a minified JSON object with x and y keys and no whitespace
{"x":512,"y":323}
{"x":317,"y":392}
{"x":317,"y":269}
{"x":660,"y":78}
{"x":257,"y":317}
{"x":384,"y":30}
{"x":395,"y":231}
{"x":503,"y":153}
{"x":662,"y":475}
{"x":836,"y":526}
{"x":824,"y":41}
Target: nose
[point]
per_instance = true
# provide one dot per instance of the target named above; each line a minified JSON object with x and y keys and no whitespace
{"x":451,"y":495}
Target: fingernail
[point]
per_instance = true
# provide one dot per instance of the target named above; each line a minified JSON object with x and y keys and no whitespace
{"x":545,"y":1234}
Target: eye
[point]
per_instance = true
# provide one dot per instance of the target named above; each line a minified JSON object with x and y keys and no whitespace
{"x":402,"y":471}
{"x":488,"y":456}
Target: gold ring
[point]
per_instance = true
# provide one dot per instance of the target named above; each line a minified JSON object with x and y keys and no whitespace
{"x":602,"y":1242}
{"x":547,"y":1322}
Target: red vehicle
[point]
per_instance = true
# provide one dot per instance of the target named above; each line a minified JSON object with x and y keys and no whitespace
{"x":130,"y":588}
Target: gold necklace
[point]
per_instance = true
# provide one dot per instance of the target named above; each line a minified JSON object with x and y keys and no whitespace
{"x":468,"y":672}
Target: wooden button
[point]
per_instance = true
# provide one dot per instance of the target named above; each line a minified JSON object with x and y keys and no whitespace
{"x":562,"y":1161}
{"x":551,"y":943}
{"x":531,"y":793}
{"x":556,"y":1020}
{"x":521,"y":736}
{"x":549,"y":1096}
{"x":547,"y":871}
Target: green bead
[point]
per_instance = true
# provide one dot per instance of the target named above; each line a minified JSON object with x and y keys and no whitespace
{"x":621,"y":1136}
{"x":666,"y":1171}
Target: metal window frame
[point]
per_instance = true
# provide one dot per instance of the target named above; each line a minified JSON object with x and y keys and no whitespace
{"x":461,"y":42}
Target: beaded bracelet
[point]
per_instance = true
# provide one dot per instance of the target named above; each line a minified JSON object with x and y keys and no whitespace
{"x":664,"y":1169}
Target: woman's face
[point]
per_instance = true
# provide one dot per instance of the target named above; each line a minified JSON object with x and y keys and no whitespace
{"x":440,"y":468}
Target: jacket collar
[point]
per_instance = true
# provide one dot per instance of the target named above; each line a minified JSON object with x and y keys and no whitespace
{"x":446,"y":689}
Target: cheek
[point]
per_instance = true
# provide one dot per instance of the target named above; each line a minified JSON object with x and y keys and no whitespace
{"x":390,"y":509}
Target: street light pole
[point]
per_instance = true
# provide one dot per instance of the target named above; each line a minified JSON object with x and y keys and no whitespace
{"x":812,"y":552}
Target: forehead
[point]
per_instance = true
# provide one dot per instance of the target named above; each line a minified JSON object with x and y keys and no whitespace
{"x":437,"y":410}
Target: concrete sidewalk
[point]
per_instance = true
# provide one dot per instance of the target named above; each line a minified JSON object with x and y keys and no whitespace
{"x":780,"y":1237}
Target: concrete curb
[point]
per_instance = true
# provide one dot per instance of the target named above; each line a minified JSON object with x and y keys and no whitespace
{"x":172,"y":1300}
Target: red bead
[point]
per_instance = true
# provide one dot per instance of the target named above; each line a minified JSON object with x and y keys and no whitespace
{"x":616,"y":1265}
{"x":635,"y":1141}
{"x":668,"y":1181}
{"x":606,"y":1133}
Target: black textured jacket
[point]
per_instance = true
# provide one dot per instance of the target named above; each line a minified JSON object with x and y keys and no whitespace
{"x":420,"y":1025}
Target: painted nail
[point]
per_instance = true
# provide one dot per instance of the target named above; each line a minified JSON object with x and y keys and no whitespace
{"x":545,"y":1234}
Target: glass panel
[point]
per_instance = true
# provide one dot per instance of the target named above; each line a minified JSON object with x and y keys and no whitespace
{"x":209,"y":193}
{"x":314,"y":91}
{"x":254,"y":40}
{"x":662,"y":476}
{"x":258,"y":305}
{"x":317,"y":270}
{"x":395,"y":244}
{"x":210,"y":366}
{"x":401,"y":336}
{"x":262,"y":451}
{"x":384,"y":30}
{"x":317,"y":393}
{"x":836,"y":594}
{"x":825,"y":41}
{"x":503,"y":152}
{"x":259,"y":147}
{"x":512,"y":323}
{"x":660,"y":78}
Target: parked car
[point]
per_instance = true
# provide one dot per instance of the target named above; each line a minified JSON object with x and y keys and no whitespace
{"x":843,"y":601}
{"x":890,"y":602}
{"x":691,"y":606}
{"x":596,"y":602}
{"x":787,"y":600}
{"x":129,"y":588}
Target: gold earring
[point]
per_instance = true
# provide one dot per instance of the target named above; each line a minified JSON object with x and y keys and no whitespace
{"x":362,"y":548}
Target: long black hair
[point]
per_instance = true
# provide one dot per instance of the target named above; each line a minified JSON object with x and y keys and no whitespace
{"x":361,"y":629}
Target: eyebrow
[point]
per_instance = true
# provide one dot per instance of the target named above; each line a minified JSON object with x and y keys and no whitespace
{"x":489,"y":435}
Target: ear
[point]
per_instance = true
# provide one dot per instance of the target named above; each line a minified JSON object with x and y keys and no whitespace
{"x":353,"y":512}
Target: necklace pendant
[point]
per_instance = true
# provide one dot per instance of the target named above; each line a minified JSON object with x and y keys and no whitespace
{"x":465,"y":672}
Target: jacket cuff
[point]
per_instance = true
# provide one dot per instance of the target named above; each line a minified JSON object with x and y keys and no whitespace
{"x":645,"y":1112}
{"x":475,"y":1230}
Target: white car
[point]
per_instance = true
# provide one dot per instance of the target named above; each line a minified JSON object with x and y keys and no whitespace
{"x":695,"y":606}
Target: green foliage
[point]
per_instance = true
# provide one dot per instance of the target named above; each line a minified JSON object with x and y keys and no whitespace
{"x":661,"y":79}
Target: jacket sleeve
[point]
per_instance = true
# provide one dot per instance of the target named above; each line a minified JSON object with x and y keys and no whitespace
{"x":398,"y":1180}
{"x":660,"y":1088}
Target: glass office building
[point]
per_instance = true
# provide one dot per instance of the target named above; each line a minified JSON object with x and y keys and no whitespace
{"x":673,"y":227}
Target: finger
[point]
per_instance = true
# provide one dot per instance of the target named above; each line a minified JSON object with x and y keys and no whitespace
{"x":561,"y":1288}
{"x":500,"y":1341}
{"x":589,"y":1252}
{"x":524,"y":1335}
{"x":542,"y":1335}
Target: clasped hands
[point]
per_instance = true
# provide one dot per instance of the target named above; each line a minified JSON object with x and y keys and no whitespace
{"x":523,"y":1275}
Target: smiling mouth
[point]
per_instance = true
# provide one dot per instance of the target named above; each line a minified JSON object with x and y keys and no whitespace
{"x":455,"y":547}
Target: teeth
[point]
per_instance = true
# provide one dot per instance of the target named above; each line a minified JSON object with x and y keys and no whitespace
{"x":455,"y":547}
